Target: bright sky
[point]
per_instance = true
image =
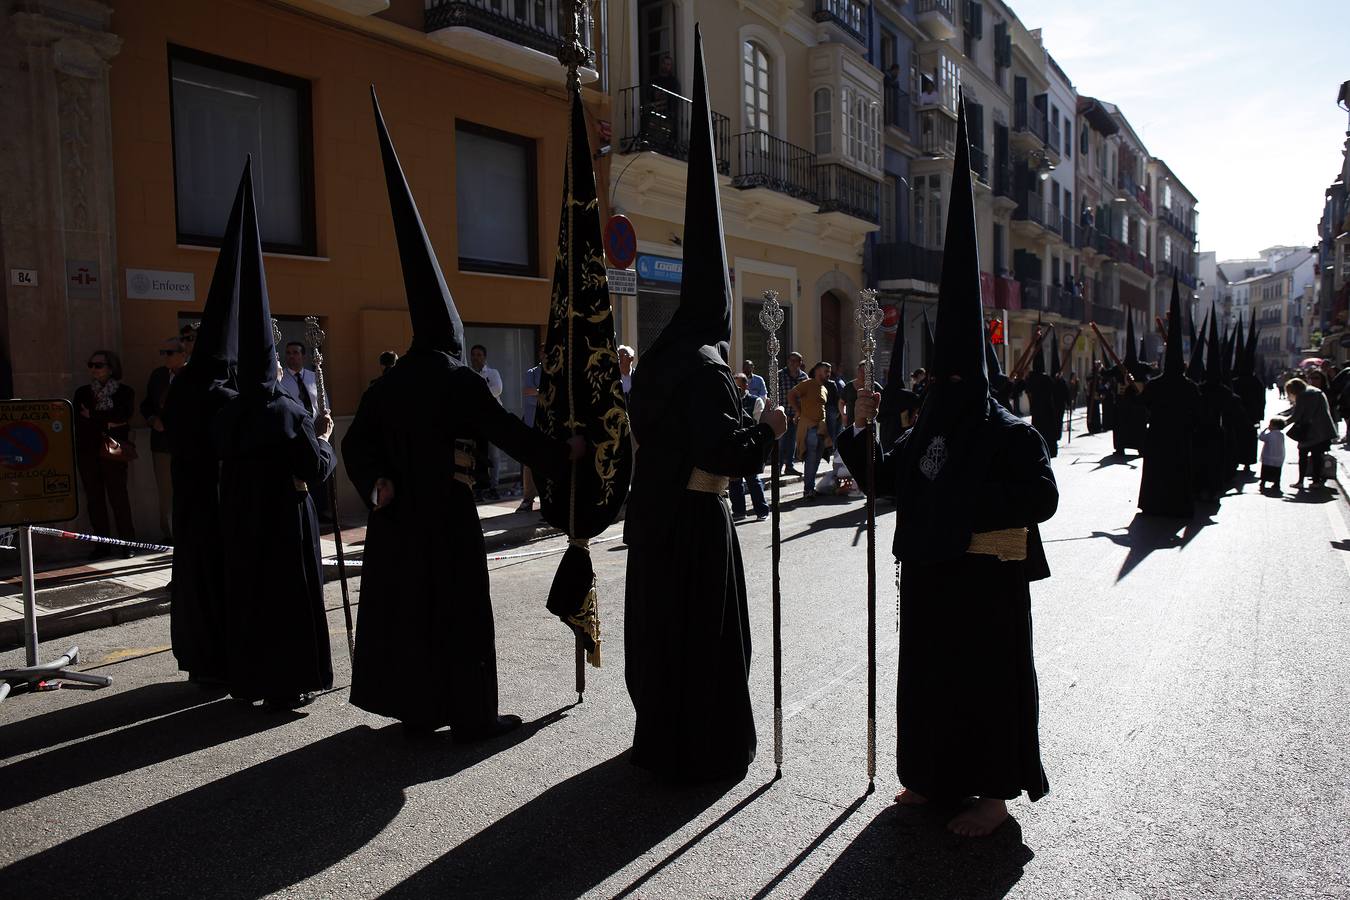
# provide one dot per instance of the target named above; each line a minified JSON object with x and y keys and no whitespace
{"x":1238,"y":97}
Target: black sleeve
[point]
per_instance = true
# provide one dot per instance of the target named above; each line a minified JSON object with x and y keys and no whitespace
{"x":852,"y":447}
{"x":312,"y":460}
{"x":532,"y":448}
{"x":725,"y":441}
{"x":1023,"y":491}
{"x":362,"y":450}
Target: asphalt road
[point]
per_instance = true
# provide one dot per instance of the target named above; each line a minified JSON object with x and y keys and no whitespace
{"x":1194,"y":729}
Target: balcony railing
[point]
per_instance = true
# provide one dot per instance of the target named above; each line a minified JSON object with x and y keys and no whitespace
{"x":1003,"y":180}
{"x":1007,"y":293}
{"x":901,"y":261}
{"x":536,"y":24}
{"x":1107,"y":316}
{"x":1030,"y":208}
{"x":1029,"y":119}
{"x":1062,"y":300}
{"x":937,"y":133}
{"x":1168,"y":269}
{"x":1033,"y":293}
{"x":1176,"y":223}
{"x":1053,"y":220}
{"x":763,"y":160}
{"x":1054,"y":140}
{"x":653,"y":118}
{"x":943,"y":7}
{"x":841,"y":189}
{"x":850,"y":15}
{"x":979,"y":163}
{"x":1142,"y":198}
{"x":897,"y":107}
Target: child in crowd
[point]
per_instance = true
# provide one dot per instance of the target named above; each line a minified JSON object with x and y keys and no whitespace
{"x":1272,"y":453}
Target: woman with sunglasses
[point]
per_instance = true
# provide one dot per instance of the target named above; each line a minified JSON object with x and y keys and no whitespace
{"x":103,"y":410}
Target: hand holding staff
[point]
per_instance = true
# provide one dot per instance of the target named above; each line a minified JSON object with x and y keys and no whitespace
{"x":869,"y":317}
{"x":1111,"y":352}
{"x":315,"y":336}
{"x":771,"y":319}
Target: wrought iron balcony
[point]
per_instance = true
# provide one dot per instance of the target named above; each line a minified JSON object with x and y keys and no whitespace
{"x":897,"y":107}
{"x":1107,"y":316}
{"x":1030,"y":120}
{"x":979,"y":163}
{"x":935,"y":16}
{"x":850,"y":15}
{"x":1030,"y":208}
{"x":1003,"y":181}
{"x":1168,"y":269}
{"x":1007,"y":293}
{"x":1176,"y":223}
{"x":901,"y":261}
{"x":653,"y":118}
{"x":1033,"y":293}
{"x":937,"y":133}
{"x":763,"y":160}
{"x":841,"y":189}
{"x":536,"y":24}
{"x":1053,"y":138}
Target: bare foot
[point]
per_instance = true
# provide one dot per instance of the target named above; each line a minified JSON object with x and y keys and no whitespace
{"x":980,"y":818}
{"x":909,"y":797}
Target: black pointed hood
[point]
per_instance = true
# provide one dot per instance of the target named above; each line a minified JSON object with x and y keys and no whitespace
{"x":215,"y":353}
{"x":1249,"y":366}
{"x":1174,"y":360}
{"x":436,"y":323}
{"x":1038,"y":355}
{"x":257,"y":342}
{"x":1214,"y":356}
{"x":1055,"y":366}
{"x":1195,"y":369}
{"x":1131,"y":358}
{"x":929,"y":342}
{"x":960,"y":327}
{"x":703,"y":318}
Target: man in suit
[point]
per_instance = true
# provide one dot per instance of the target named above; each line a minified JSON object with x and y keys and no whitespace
{"x":297,"y":382}
{"x":156,"y":392}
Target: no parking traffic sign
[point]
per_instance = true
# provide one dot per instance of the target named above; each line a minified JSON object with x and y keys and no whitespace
{"x":37,"y":462}
{"x":620,"y":242}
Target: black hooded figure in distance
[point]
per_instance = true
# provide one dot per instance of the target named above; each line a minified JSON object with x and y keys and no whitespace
{"x":1040,"y":390}
{"x":196,"y":395}
{"x":425,"y":641}
{"x":1129,"y":415}
{"x":972,"y":484}
{"x":270,"y":460}
{"x":686,"y":620}
{"x":1173,"y":403}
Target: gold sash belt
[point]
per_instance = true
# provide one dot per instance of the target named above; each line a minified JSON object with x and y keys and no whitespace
{"x":300,"y":486}
{"x":707,"y":482}
{"x":464,"y":466}
{"x":1007,"y":544}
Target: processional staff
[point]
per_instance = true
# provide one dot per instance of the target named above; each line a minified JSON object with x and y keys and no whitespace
{"x":869,"y":318}
{"x":771,"y":319}
{"x":315,"y":336}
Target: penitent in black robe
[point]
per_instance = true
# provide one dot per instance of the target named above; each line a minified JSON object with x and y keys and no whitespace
{"x":425,"y":644}
{"x":1166,"y":486}
{"x":967,"y":705}
{"x":197,"y":609}
{"x":686,"y":620}
{"x":1252,"y":394}
{"x":1045,"y":410}
{"x":1129,"y":417}
{"x":1212,"y":468}
{"x":276,"y":624}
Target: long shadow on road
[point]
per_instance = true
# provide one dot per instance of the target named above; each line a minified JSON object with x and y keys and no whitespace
{"x":261,"y":830}
{"x":1147,"y":534}
{"x":568,"y":839}
{"x":906,"y":852}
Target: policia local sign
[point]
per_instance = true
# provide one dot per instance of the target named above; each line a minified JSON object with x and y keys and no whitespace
{"x":37,"y":462}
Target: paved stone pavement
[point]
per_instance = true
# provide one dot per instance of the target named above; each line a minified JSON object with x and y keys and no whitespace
{"x":1194,"y":725}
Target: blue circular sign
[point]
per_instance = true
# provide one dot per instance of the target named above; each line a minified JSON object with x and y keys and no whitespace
{"x":620,"y":242}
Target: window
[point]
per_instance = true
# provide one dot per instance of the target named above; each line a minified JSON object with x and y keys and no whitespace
{"x":824,"y":127}
{"x":222,"y":111}
{"x":656,"y":26}
{"x":1083,"y":143}
{"x":1068,"y":138}
{"x":927,"y":230}
{"x":889,"y":231}
{"x":1167,"y":248}
{"x":1167,"y":196}
{"x":756,"y":86}
{"x":495,"y":201}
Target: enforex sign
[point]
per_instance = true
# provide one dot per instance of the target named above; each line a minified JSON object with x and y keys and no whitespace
{"x":153,"y":284}
{"x":622,"y":282}
{"x":37,"y":462}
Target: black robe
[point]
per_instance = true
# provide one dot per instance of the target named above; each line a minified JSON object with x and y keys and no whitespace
{"x":425,"y":646}
{"x":1166,"y":485}
{"x":1129,"y":416}
{"x":1108,"y":392}
{"x":1214,"y":432}
{"x":276,"y":624}
{"x":1252,"y":393}
{"x":967,"y":703}
{"x":686,"y":620}
{"x":197,"y":608}
{"x":1061,"y":395}
{"x":1046,"y":414}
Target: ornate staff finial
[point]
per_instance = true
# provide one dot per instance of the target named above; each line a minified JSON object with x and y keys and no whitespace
{"x":276,"y":335}
{"x":771,"y":319}
{"x":869,"y":318}
{"x":572,"y":52}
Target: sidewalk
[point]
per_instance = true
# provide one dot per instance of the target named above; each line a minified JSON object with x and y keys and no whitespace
{"x":76,"y":597}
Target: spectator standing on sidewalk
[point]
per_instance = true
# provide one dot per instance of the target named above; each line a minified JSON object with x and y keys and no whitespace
{"x":789,"y":377}
{"x":627,"y":358}
{"x":755,"y":384}
{"x":807,"y":401}
{"x":298,"y":382}
{"x":103,"y":448}
{"x":753,"y":407}
{"x":1310,"y":424}
{"x":485,"y":463}
{"x":833,"y":396}
{"x":187,"y":339}
{"x":388,"y":359}
{"x":533,"y":376}
{"x":152,"y":407}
